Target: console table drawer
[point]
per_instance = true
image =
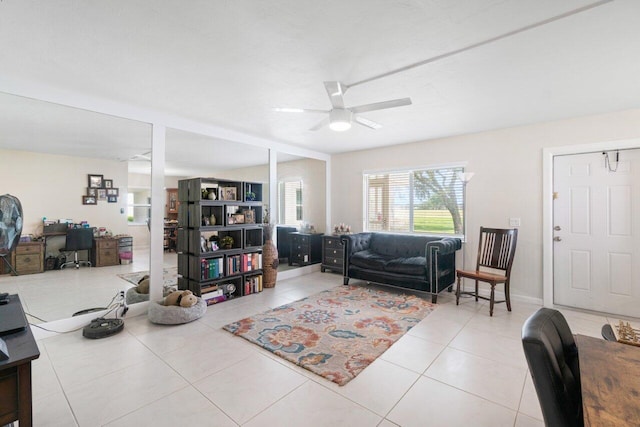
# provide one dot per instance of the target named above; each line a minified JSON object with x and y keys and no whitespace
{"x":332,"y":254}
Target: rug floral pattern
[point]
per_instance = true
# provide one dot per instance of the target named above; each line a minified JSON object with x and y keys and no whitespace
{"x":336,"y":333}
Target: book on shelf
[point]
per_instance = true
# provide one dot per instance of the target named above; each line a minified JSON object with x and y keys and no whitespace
{"x":216,"y":300}
{"x":211,"y":268}
{"x":211,"y":294}
{"x":251,"y":261}
{"x":253,"y":285}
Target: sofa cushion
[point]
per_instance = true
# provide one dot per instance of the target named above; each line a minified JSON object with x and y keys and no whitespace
{"x":412,"y":265}
{"x":369,"y":259}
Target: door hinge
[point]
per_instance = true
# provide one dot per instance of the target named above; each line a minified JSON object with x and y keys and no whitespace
{"x":555,"y":195}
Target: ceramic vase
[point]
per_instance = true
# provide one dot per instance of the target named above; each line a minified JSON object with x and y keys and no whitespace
{"x":212,"y":219}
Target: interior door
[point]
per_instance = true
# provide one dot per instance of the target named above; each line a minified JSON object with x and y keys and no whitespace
{"x":596,"y":261}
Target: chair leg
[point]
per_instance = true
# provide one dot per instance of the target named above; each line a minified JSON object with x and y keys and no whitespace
{"x":458,"y":292}
{"x":476,"y":291}
{"x":507,"y":298}
{"x":492,"y":299}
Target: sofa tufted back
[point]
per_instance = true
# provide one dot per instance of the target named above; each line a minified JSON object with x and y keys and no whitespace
{"x":399,"y":245}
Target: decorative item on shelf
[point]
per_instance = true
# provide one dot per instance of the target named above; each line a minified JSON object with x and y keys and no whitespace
{"x":341,"y":229}
{"x":305,"y":227}
{"x":250,"y":196}
{"x":226,"y":242}
{"x":249,"y":216}
{"x":203,"y":244}
{"x":211,"y":194}
{"x":212,"y":219}
{"x":205,"y":220}
{"x":204,"y":193}
{"x":269,"y":255}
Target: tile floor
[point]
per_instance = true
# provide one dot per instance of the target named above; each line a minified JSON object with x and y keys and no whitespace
{"x":458,"y":367}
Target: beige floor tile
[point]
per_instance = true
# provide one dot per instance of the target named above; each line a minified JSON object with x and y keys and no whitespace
{"x":365,"y":388}
{"x":186,"y":407}
{"x":53,"y":411}
{"x":249,"y":387}
{"x":312,"y":405}
{"x":525,"y":421}
{"x":412,"y":353}
{"x":497,"y":382}
{"x":491,"y":346}
{"x":430,"y":402}
{"x":529,"y":404}
{"x":114,"y":395}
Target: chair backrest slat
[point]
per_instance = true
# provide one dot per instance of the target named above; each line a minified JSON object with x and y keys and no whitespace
{"x":497,"y":248}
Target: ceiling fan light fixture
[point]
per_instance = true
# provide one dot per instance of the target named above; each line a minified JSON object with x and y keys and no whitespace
{"x":340,"y":120}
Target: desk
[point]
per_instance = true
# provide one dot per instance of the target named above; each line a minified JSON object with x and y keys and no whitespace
{"x":15,"y":377}
{"x":610,"y":380}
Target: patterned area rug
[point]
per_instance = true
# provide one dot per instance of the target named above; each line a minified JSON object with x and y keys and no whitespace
{"x":169,"y":275}
{"x":336,"y":333}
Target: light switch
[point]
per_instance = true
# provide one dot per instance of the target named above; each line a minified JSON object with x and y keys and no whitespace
{"x":514,"y":222}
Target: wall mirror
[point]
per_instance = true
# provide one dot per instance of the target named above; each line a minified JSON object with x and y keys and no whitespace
{"x":46,"y":153}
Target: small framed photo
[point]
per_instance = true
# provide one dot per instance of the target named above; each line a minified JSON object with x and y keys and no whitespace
{"x":108,"y":183}
{"x":238,"y":218}
{"x":249,"y":216}
{"x":95,"y":181}
{"x":93,"y":192}
{"x":231,"y":219}
{"x":112,"y":191}
{"x":228,"y":193}
{"x":102,"y":193}
{"x":89,"y":200}
{"x":112,"y":199}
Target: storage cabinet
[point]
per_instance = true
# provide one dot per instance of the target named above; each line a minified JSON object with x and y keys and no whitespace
{"x":172,"y":203}
{"x":28,"y":257}
{"x":104,"y":252}
{"x":332,"y":254}
{"x":305,"y":248}
{"x":210,"y":211}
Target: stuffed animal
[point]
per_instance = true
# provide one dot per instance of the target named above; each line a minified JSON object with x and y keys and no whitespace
{"x":143,"y":285}
{"x":181,"y":298}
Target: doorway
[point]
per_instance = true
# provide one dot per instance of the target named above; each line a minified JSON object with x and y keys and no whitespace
{"x":596,"y":226}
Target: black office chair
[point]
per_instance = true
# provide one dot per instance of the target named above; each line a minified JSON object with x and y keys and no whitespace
{"x":552,"y":356}
{"x":10,"y":227}
{"x":78,"y":239}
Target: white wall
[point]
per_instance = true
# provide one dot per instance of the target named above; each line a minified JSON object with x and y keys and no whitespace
{"x":52,"y":186}
{"x":507,"y":182}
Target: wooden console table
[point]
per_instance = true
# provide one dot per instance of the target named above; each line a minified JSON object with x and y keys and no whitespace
{"x":15,"y":376}
{"x":610,"y":380}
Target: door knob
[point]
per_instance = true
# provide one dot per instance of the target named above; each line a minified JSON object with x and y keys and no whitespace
{"x":557,"y":228}
{"x":557,"y":239}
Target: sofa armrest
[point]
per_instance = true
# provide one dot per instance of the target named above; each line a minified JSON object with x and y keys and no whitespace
{"x":444,"y":246}
{"x":440,"y":258}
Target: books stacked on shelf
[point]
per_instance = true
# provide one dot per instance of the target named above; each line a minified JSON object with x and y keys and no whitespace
{"x":211,"y":268}
{"x":213,"y":295}
{"x":253,"y":285}
{"x":252,"y":261}
{"x":234,"y":264}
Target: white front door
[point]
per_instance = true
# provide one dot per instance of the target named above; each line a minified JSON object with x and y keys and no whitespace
{"x":596,"y":214}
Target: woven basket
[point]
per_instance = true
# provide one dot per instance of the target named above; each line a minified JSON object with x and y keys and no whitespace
{"x":269,"y":264}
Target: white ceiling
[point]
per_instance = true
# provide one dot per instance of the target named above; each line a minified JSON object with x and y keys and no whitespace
{"x":229,"y":62}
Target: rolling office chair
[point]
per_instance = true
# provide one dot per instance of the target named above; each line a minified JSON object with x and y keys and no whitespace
{"x":78,"y":239}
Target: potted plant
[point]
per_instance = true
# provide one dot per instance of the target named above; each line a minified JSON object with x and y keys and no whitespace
{"x":226,"y":242}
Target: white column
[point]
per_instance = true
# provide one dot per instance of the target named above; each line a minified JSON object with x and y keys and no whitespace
{"x":273,"y":191}
{"x":156,"y":251}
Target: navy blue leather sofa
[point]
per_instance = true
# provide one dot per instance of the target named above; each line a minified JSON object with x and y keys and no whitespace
{"x":424,"y":263}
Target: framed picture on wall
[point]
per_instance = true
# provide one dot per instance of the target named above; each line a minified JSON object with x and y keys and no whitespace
{"x":93,"y":192}
{"x":95,"y":181}
{"x":102,"y":193}
{"x":112,"y":199}
{"x":249,"y":216}
{"x":89,"y":200}
{"x":108,"y":183}
{"x":112,"y":192}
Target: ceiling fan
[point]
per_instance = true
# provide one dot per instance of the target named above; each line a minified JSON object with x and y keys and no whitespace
{"x":340,"y":117}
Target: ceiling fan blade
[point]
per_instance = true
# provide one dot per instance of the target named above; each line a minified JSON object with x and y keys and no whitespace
{"x":381,"y":105}
{"x":298,"y":110}
{"x":335,"y":90}
{"x":322,"y":124}
{"x":368,"y":123}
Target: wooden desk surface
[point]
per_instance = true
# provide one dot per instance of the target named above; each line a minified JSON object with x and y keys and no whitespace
{"x":610,"y":379}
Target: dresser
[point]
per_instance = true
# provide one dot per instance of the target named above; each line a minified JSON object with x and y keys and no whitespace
{"x":332,"y":254}
{"x":28,"y":257}
{"x":305,"y":248}
{"x":104,"y":252}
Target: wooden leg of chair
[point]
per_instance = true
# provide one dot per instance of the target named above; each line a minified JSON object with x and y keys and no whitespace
{"x":492,"y":299}
{"x":507,"y":298}
{"x":476,"y":291}
{"x":458,"y":292}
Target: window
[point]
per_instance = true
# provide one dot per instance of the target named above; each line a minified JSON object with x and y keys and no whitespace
{"x":290,"y":202}
{"x":138,"y":205}
{"x":429,"y":201}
